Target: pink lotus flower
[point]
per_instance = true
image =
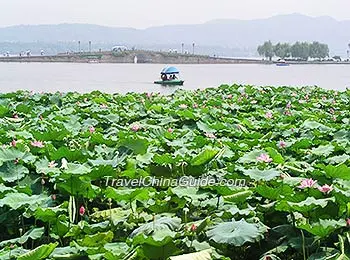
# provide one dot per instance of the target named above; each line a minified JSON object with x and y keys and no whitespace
{"x":42,"y":182}
{"x":239,"y":100}
{"x":82,"y":211}
{"x":348,"y":221}
{"x":193,"y":228}
{"x":324,"y":98}
{"x":282,"y":144}
{"x":53,"y":196}
{"x":92,"y":129}
{"x":325,"y":188}
{"x":13,"y":143}
{"x":269,"y":115}
{"x":331,"y":111}
{"x":294,"y":94}
{"x":103,"y":106}
{"x":289,"y":105}
{"x":38,"y":144}
{"x":307,"y":183}
{"x":334,"y":118}
{"x":15,"y":116}
{"x":149,"y":95}
{"x":229,"y":96}
{"x":210,"y":135}
{"x":195,"y":105}
{"x":170,"y":130}
{"x":307,"y":97}
{"x":183,"y":106}
{"x":264,"y":158}
{"x":135,"y":128}
{"x":52,"y":164}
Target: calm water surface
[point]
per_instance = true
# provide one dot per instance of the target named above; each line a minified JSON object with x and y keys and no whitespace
{"x":122,"y":78}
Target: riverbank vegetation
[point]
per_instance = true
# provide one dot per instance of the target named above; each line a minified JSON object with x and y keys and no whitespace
{"x":299,"y":50}
{"x":290,"y":147}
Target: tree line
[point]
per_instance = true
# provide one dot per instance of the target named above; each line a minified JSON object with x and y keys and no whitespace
{"x":299,"y":50}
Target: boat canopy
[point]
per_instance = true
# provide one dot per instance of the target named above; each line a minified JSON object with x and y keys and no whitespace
{"x":170,"y":70}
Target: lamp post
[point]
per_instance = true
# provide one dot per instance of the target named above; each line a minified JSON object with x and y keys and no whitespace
{"x":90,"y":46}
{"x":79,"y":46}
{"x":182,"y":48}
{"x":193,"y":48}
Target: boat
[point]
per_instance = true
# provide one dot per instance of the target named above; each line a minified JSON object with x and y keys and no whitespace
{"x":282,"y":63}
{"x":169,"y":77}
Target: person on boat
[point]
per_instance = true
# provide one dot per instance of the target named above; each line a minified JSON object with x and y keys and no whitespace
{"x":164,"y":77}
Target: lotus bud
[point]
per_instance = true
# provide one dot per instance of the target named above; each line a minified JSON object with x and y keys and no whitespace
{"x":82,"y":211}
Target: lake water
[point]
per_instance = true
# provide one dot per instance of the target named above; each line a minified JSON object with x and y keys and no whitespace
{"x":122,"y":78}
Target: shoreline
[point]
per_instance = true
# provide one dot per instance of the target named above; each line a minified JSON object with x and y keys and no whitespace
{"x":150,"y":57}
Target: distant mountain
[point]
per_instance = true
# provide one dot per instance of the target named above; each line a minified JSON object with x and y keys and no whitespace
{"x":225,"y":37}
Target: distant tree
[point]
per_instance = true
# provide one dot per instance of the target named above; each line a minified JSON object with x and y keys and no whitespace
{"x":266,"y":50}
{"x":282,"y":50}
{"x":300,"y":50}
{"x":337,"y":58}
{"x":319,"y":50}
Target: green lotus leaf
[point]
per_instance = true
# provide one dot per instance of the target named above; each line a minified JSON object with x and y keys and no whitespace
{"x":262,"y":175}
{"x":10,"y":172}
{"x":304,"y":206}
{"x":98,"y":239}
{"x":323,"y":150}
{"x":237,"y":233}
{"x":323,"y":228}
{"x":204,"y":157}
{"x":41,"y":252}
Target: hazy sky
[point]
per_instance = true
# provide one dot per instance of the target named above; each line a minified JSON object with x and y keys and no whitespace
{"x":145,"y":13}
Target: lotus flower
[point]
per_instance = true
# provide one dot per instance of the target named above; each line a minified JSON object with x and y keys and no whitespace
{"x":331,"y":111}
{"x":13,"y":143}
{"x":183,"y":106}
{"x":268,"y":115}
{"x":325,"y":188}
{"x":229,"y":96}
{"x":15,"y":116}
{"x":193,"y":228}
{"x":92,"y":129}
{"x":53,"y":196}
{"x":135,"y":128}
{"x":289,"y":105}
{"x":170,"y":130}
{"x":103,"y":106}
{"x":149,"y":95}
{"x":42,"y":182}
{"x":307,"y":183}
{"x":52,"y":164}
{"x":38,"y":144}
{"x":195,"y":105}
{"x":282,"y":144}
{"x":82,"y":211}
{"x":264,"y":158}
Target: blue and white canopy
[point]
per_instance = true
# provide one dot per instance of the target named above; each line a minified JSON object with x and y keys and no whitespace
{"x":170,"y":70}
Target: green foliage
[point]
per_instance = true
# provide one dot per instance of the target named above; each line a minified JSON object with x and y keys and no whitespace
{"x":65,"y":189}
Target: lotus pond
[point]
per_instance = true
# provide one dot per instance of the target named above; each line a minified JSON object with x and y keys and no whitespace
{"x":290,"y":146}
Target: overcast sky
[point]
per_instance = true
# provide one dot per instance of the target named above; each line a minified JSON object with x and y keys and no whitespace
{"x":146,"y":13}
